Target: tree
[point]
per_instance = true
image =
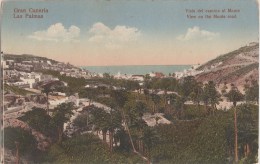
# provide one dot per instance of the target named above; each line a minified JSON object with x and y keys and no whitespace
{"x":134,"y":112}
{"x":101,"y":121}
{"x":82,"y":121}
{"x":178,"y":105}
{"x":224,"y":89}
{"x":89,"y":93}
{"x":247,"y":117}
{"x":156,"y":100}
{"x":121,"y":98}
{"x":20,"y":141}
{"x":211,"y":95}
{"x":187,"y":86}
{"x":234,"y":96}
{"x":39,"y":120}
{"x":146,"y":93}
{"x":205,"y":97}
{"x":197,"y":92}
{"x":107,"y":122}
{"x":150,"y":139}
{"x":252,"y":92}
{"x":61,"y":115}
{"x":46,"y":90}
{"x":211,"y":134}
{"x":106,"y":75}
{"x":114,"y":123}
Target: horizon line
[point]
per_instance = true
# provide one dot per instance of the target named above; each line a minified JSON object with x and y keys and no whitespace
{"x":137,"y":65}
{"x":6,"y":53}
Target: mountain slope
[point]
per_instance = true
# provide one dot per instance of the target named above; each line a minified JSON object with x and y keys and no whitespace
{"x":26,"y":57}
{"x":234,"y":67}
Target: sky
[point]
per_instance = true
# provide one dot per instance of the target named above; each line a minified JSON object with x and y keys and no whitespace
{"x":127,"y":32}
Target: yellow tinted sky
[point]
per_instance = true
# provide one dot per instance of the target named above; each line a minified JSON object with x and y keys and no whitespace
{"x":128,"y":32}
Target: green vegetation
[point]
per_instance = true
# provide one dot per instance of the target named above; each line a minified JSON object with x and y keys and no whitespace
{"x":16,"y":90}
{"x":51,"y":126}
{"x":74,"y":84}
{"x":198,"y":134}
{"x":39,"y":120}
{"x":234,"y":95}
{"x":169,"y":84}
{"x":210,"y":140}
{"x":20,"y":142}
{"x":199,"y":139}
{"x":87,"y":148}
{"x":192,"y":112}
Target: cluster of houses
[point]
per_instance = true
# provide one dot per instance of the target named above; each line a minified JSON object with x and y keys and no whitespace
{"x":139,"y":78}
{"x":37,"y":64}
{"x":25,"y":65}
{"x":25,"y":79}
{"x":24,"y":74}
{"x":76,"y":72}
{"x":188,"y":72}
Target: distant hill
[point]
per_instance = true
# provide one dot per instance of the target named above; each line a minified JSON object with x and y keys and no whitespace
{"x":234,"y":67}
{"x":26,"y":57}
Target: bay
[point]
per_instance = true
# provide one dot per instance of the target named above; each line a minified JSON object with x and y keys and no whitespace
{"x":137,"y":69}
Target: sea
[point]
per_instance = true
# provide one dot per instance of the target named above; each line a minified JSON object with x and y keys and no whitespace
{"x":137,"y":69}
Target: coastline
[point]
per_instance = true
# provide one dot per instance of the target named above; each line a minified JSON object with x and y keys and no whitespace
{"x":137,"y":69}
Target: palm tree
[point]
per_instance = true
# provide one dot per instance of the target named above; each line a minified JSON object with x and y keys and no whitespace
{"x":113,"y":124}
{"x":150,"y":139}
{"x":17,"y":145}
{"x":61,"y":114}
{"x":235,"y":95}
{"x":46,"y":90}
{"x":252,"y":92}
{"x":211,"y":95}
{"x":146,"y":93}
{"x":101,"y":120}
{"x":156,"y":99}
{"x":121,"y":99}
{"x":140,"y":125}
{"x":137,"y":124}
{"x":197,"y":93}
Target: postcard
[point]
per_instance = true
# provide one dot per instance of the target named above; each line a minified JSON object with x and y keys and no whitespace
{"x":129,"y":81}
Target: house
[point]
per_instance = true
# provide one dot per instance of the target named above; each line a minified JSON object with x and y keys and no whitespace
{"x":253,"y":44}
{"x":138,"y":77}
{"x":152,"y":74}
{"x":30,"y":81}
{"x":159,"y":75}
{"x":46,"y":77}
{"x":21,"y":84}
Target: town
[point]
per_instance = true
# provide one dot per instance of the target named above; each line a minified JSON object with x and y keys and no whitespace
{"x":58,"y":103}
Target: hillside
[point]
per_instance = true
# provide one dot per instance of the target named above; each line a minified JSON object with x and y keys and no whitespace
{"x":26,"y":57}
{"x":234,"y":67}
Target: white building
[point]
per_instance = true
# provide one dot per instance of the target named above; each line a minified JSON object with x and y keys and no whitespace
{"x":49,"y":62}
{"x":29,"y":81}
{"x":5,"y":66}
{"x":138,"y":77}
